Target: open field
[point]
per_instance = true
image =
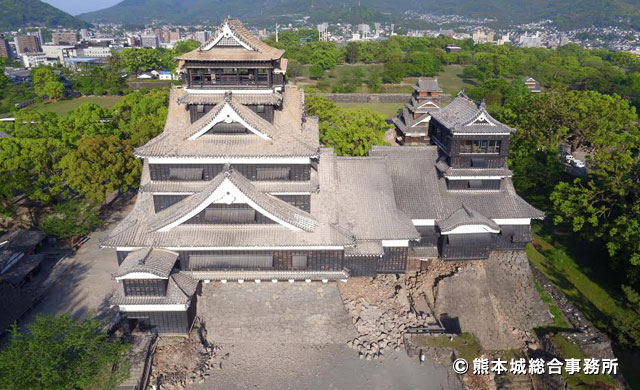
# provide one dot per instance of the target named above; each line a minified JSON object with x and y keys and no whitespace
{"x":389,"y":110}
{"x":61,"y":107}
{"x":451,"y":80}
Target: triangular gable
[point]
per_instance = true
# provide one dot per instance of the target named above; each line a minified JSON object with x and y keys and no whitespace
{"x":481,"y":119}
{"x":465,"y":221}
{"x":226,"y":37}
{"x":227,"y":193}
{"x":230,"y":187}
{"x":420,"y":122}
{"x":428,"y":104}
{"x":227,"y":114}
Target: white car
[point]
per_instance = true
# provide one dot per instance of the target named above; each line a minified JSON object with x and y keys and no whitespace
{"x":578,"y":163}
{"x":569,"y":158}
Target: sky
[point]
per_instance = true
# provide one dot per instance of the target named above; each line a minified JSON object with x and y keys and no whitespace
{"x":75,"y":7}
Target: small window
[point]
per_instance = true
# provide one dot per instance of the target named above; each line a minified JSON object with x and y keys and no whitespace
{"x":479,"y":162}
{"x":200,"y":108}
{"x":272,"y":173}
{"x":230,"y":215}
{"x":299,"y":262}
{"x":260,"y":108}
{"x":185,"y":173}
{"x":475,"y":184}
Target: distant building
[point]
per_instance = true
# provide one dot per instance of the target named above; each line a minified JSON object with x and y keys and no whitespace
{"x":18,"y":75}
{"x":149,"y":41}
{"x":364,"y":30}
{"x":33,"y":60}
{"x":202,"y":36}
{"x":412,"y":125}
{"x":166,"y":75}
{"x":77,"y":62}
{"x":532,"y":85}
{"x":174,"y":35}
{"x":59,"y":51}
{"x":5,"y":49}
{"x":96,"y":51}
{"x":65,"y":38}
{"x":451,"y":48}
{"x":84,"y":34}
{"x":27,"y":44}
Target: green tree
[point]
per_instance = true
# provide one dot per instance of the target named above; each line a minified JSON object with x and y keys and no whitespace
{"x":47,"y":82}
{"x":316,"y":71}
{"x":349,"y":132}
{"x":71,"y":219}
{"x":62,"y":353}
{"x":374,"y":79}
{"x":101,"y":165}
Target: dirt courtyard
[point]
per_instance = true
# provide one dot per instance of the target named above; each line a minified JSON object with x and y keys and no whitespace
{"x":293,"y":336}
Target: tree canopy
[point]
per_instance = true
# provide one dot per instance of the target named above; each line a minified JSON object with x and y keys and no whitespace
{"x":62,"y":353}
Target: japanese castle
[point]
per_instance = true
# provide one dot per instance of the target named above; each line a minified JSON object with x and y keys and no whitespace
{"x":238,"y":188}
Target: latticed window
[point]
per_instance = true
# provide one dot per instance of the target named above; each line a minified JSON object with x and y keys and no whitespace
{"x":273,"y":173}
{"x":480,"y":146}
{"x":228,"y":41}
{"x":145,"y":287}
{"x":230,"y":215}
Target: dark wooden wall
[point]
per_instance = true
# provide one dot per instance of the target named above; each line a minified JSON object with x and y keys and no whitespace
{"x":297,"y":172}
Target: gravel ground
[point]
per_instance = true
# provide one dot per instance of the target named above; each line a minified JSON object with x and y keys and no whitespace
{"x":293,"y":337}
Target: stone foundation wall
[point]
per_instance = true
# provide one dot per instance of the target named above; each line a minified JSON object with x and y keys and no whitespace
{"x":494,"y":299}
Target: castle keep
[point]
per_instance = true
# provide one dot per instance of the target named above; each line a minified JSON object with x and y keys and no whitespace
{"x":238,"y":188}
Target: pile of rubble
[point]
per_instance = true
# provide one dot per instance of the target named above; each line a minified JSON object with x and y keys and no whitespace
{"x":381,"y":311}
{"x":179,"y":362}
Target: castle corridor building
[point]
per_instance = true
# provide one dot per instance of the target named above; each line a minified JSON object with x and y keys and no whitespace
{"x":238,"y":188}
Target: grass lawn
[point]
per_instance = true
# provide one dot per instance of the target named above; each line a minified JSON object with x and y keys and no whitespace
{"x":61,"y":107}
{"x":389,"y":110}
{"x":579,"y":380}
{"x":465,"y":343}
{"x":451,"y":80}
{"x":586,"y":283}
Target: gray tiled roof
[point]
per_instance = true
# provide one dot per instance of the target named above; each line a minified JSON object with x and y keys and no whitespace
{"x":414,"y":106}
{"x":365,"y":248}
{"x":261,"y":51}
{"x":405,"y":121}
{"x":18,"y":241}
{"x":465,"y":216}
{"x":366,"y":201}
{"x":134,"y":229}
{"x":460,"y":116}
{"x":421,"y":194}
{"x":180,"y":290}
{"x":428,"y":85}
{"x":248,"y":115}
{"x":271,"y":204}
{"x":290,"y":135}
{"x":273,"y":99}
{"x":16,"y":274}
{"x":158,"y":262}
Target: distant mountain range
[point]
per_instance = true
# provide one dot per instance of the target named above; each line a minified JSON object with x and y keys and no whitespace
{"x":25,"y":13}
{"x":567,"y":13}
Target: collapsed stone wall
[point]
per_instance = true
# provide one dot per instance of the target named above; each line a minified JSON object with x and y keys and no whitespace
{"x":494,"y":299}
